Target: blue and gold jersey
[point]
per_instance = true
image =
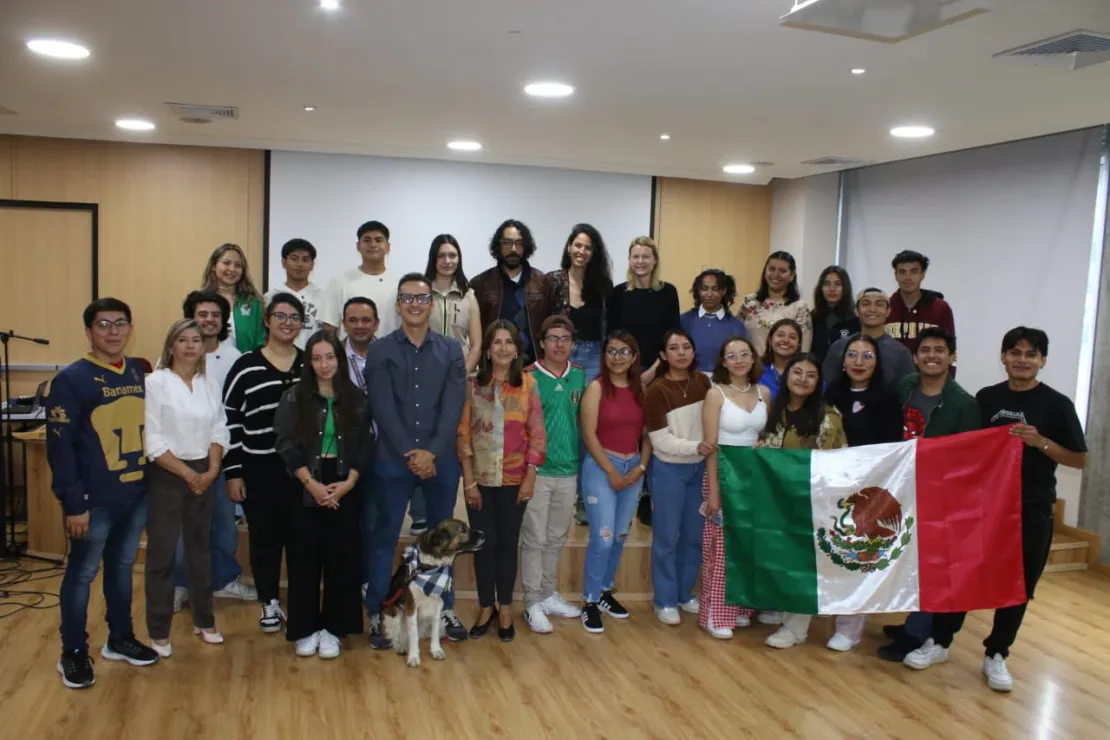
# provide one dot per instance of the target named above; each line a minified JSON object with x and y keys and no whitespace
{"x":94,"y":439}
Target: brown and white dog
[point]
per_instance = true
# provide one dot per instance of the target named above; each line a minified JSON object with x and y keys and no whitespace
{"x":414,"y":606}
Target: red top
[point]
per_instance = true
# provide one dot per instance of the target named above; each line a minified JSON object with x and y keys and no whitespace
{"x":620,"y":422}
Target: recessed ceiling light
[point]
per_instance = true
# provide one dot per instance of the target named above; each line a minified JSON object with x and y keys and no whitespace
{"x":309,"y":108}
{"x":464,"y":146}
{"x":548,"y":90}
{"x":738,"y":169}
{"x":859,"y":71}
{"x":57,"y":49}
{"x":665,"y":137}
{"x":912,"y":132}
{"x":135,"y":124}
{"x":329,"y":4}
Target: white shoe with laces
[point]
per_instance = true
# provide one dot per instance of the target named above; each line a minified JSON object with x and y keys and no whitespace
{"x":783,"y":639}
{"x":691,"y":607}
{"x":329,"y":645}
{"x":237,"y":590}
{"x":721,"y":633}
{"x":307,"y":646}
{"x":556,"y":606}
{"x":537,"y":620}
{"x":272,"y":617}
{"x":927,"y":655}
{"x":998,"y":675}
{"x":743,"y":621}
{"x":841,"y":643}
{"x":667,"y":615}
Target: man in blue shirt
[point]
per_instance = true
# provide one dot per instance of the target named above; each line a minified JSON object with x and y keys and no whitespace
{"x":94,"y":444}
{"x":416,"y":381}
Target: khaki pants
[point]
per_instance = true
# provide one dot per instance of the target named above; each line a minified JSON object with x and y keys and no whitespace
{"x":543,"y":534}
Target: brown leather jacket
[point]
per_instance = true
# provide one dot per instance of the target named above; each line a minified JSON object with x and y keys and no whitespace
{"x":488,"y":288}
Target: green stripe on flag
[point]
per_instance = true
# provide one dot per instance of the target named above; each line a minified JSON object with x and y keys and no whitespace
{"x":770,"y":555}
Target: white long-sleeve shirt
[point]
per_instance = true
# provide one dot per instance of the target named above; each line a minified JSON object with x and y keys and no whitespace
{"x":183,"y":421}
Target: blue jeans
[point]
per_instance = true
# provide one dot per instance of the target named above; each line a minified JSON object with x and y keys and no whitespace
{"x":224,"y":541}
{"x":114,"y":538}
{"x":610,"y":515}
{"x":919,"y":626}
{"x":418,"y":508}
{"x":365,"y":490}
{"x":393,"y":487}
{"x":676,"y":530}
{"x":587,"y":354}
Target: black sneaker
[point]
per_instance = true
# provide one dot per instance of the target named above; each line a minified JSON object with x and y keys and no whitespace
{"x":453,"y":626}
{"x":580,"y":512}
{"x":643,"y":510}
{"x":897,"y":651}
{"x":76,"y":669}
{"x":377,"y":640}
{"x":129,"y":649}
{"x":895,"y":631}
{"x":611,"y":606}
{"x":419,"y":527}
{"x":591,"y":618}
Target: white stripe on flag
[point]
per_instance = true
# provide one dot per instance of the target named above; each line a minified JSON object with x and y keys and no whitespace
{"x":849,"y":582}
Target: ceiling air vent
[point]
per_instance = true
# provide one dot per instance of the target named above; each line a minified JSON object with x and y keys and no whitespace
{"x":834,"y":162}
{"x":192,"y":113}
{"x":1071,"y":51}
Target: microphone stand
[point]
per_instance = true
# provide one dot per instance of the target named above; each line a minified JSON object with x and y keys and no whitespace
{"x":8,"y":547}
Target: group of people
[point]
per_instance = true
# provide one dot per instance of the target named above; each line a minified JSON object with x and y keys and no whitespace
{"x":328,"y":413}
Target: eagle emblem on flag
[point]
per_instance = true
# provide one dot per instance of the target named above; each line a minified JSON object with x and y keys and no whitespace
{"x":870,"y":534}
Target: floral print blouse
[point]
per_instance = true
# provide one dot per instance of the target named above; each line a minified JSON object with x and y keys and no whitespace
{"x":502,"y":429}
{"x":760,"y":316}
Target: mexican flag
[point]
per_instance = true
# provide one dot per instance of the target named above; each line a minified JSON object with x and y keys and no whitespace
{"x":928,"y":525}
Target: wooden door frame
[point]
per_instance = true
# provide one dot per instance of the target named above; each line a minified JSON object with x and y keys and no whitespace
{"x":93,"y":209}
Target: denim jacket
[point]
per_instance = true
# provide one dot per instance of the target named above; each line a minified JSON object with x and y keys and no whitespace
{"x":355,"y":447}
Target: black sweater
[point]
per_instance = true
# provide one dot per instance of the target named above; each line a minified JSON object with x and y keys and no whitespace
{"x":872,"y":416}
{"x":646,"y":314}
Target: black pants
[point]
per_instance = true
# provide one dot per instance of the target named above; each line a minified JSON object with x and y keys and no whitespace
{"x":495,"y":564}
{"x":324,"y":543}
{"x":171,"y":509}
{"x":267,"y":511}
{"x":1036,"y":541}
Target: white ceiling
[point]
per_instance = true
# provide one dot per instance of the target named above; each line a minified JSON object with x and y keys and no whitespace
{"x":402,"y":77}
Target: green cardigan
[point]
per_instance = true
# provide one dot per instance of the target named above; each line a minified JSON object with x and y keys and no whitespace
{"x":250,"y":334}
{"x":957,"y":412}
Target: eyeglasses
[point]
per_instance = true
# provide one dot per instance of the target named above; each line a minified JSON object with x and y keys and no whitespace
{"x":854,"y":355}
{"x":420,"y":299}
{"x":622,"y":352}
{"x":558,"y":339}
{"x":286,"y":318}
{"x":106,"y":325}
{"x":512,"y":242}
{"x":741,"y":355}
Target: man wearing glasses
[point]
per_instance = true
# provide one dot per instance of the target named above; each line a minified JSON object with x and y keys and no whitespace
{"x":513,"y":290}
{"x":873,"y":308}
{"x":416,"y":381}
{"x":94,"y":445}
{"x":255,"y":473}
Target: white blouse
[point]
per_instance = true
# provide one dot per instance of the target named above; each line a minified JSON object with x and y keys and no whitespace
{"x":183,"y":421}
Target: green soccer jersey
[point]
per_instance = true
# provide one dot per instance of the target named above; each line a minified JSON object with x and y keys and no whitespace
{"x":560,"y":396}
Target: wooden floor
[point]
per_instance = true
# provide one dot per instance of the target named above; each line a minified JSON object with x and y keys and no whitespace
{"x":639,"y":680}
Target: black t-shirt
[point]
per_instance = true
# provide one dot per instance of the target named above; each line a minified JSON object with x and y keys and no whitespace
{"x":870,"y":417}
{"x":1052,"y":413}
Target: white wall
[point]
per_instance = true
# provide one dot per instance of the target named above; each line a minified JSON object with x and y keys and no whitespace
{"x":325,"y":197}
{"x":803,"y":222}
{"x":1008,"y":229}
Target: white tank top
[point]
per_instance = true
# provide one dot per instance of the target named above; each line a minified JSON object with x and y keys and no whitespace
{"x":740,"y":428}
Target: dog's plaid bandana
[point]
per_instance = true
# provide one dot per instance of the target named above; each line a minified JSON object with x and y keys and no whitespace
{"x":433,"y":582}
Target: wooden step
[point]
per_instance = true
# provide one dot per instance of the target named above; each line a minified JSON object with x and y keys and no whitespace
{"x":1067,"y":553}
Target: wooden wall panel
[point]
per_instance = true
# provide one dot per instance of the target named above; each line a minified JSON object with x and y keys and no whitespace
{"x":163,"y":209}
{"x":701,"y":224}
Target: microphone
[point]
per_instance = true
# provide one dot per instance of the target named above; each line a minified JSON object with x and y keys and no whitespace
{"x":40,"y":340}
{"x":6,"y":335}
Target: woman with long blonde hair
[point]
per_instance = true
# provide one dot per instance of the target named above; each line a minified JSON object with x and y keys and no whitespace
{"x":227,"y":273}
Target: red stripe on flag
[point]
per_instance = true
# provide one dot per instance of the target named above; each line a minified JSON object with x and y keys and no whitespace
{"x":969,"y":521}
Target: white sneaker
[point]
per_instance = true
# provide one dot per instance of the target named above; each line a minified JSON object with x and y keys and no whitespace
{"x":667,"y":615}
{"x":237,"y":590}
{"x":180,"y":598}
{"x":783,"y":639}
{"x":841,"y":643}
{"x":329,"y":645}
{"x":272,"y":617}
{"x":165,"y":649}
{"x":743,"y":621}
{"x":769,"y":618}
{"x":556,"y":606}
{"x":211,"y":636}
{"x":721,"y":633}
{"x":693,"y":606}
{"x":998,"y":675}
{"x":927,"y":655}
{"x":537,"y":619}
{"x":307,"y":646}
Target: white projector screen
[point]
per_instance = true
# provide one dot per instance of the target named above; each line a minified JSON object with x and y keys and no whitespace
{"x":325,"y":197}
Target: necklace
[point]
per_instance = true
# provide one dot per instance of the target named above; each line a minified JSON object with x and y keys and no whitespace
{"x":685,"y":390}
{"x":745,"y":389}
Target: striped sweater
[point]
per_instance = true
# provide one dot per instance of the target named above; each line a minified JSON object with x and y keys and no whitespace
{"x":251,"y":395}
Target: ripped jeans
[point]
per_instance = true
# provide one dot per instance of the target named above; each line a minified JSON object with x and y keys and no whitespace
{"x":610,"y":515}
